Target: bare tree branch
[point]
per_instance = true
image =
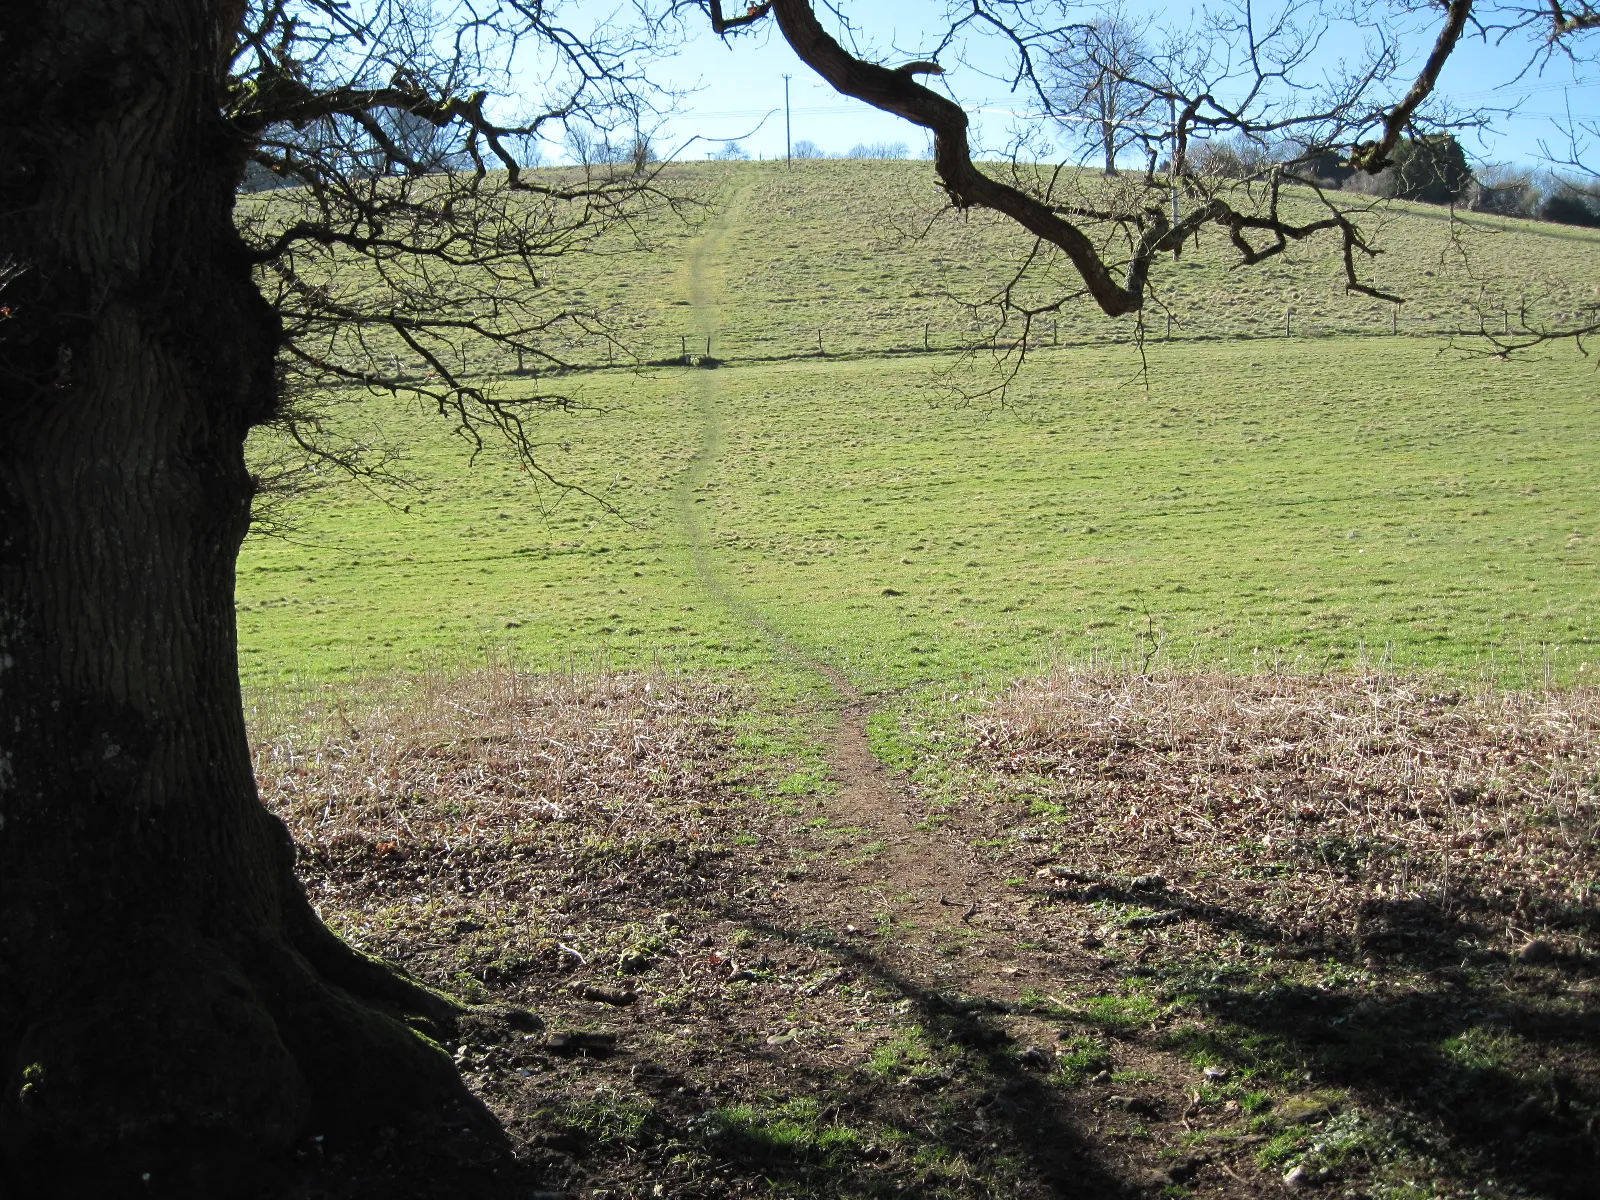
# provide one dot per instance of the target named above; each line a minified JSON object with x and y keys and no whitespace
{"x":405,"y":235}
{"x":1373,"y":157}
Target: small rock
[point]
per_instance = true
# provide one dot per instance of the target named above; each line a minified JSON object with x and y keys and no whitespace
{"x":1297,"y":1177}
{"x":573,"y":1042}
{"x":1138,"y":1105}
{"x":602,"y":995}
{"x":1304,"y":1110}
{"x":1062,"y":872}
{"x":1187,"y":1169}
{"x":851,"y":929}
{"x":1215,"y":1074}
{"x":1537,"y":951}
{"x":1169,"y":917}
{"x":976,"y":1033}
{"x":1036,"y":1057}
{"x":488,"y":1022}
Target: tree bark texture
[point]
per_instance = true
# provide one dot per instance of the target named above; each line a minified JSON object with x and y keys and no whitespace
{"x":170,"y":1005}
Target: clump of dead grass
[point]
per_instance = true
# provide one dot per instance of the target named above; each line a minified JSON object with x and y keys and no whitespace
{"x":489,"y":753}
{"x":1324,"y":794}
{"x":492,"y":827}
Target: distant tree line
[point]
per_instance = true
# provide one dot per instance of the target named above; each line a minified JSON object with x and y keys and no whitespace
{"x":1430,"y":169}
{"x":805,"y":148}
{"x":427,"y":149}
{"x":1111,"y":84}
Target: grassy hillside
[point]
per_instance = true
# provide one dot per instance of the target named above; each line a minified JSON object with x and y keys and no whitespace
{"x":1096,"y":931}
{"x":1317,"y":497}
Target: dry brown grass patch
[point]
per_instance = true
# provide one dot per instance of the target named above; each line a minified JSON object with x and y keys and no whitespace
{"x":468,"y":826}
{"x":1319,"y":797}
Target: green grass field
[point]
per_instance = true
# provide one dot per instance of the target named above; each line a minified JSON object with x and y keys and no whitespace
{"x":1315,"y":498}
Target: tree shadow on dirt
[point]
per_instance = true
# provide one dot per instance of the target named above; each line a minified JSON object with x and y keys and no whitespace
{"x":996,"y":1096}
{"x":1485,"y":1061}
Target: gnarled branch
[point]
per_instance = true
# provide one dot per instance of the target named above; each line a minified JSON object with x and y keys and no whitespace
{"x":1373,"y":157}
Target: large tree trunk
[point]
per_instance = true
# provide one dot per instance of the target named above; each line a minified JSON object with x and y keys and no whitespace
{"x":169,"y":1003}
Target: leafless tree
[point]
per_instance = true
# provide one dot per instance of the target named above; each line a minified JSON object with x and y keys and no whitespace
{"x":169,"y":999}
{"x":877,"y":150}
{"x":1092,"y":79}
{"x":1573,"y":153}
{"x":170,"y":1004}
{"x":1505,"y":190}
{"x":1240,"y":70}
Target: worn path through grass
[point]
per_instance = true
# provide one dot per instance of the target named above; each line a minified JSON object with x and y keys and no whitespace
{"x":922,"y":898}
{"x":925,"y":917}
{"x":1309,"y":501}
{"x":907,"y":870}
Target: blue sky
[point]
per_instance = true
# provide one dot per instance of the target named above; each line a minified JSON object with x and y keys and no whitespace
{"x":738,"y":91}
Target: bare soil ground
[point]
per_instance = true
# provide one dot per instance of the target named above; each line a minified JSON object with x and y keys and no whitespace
{"x":1104,"y":936}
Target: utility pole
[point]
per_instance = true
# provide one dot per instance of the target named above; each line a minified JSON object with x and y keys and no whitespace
{"x":1172,"y":113}
{"x":788,"y":141}
{"x":1172,"y":178}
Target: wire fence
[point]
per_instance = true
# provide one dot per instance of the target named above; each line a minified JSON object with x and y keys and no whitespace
{"x":826,"y":342}
{"x":836,"y":342}
{"x":755,"y":342}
